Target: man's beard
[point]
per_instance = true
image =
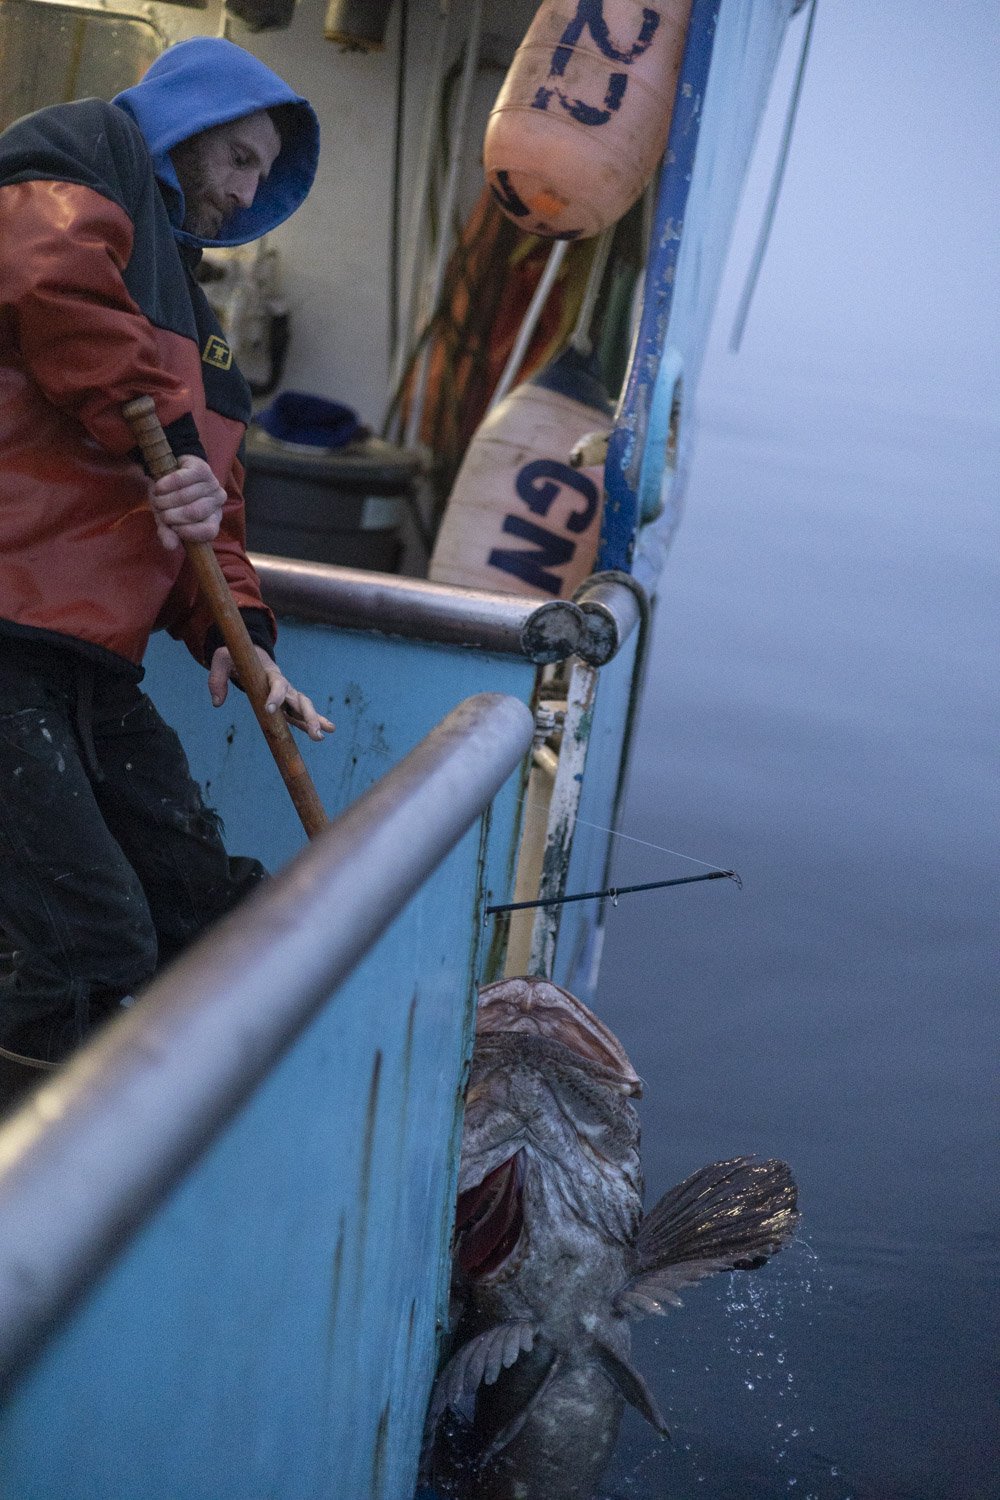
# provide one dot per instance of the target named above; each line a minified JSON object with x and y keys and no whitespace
{"x":201,"y":216}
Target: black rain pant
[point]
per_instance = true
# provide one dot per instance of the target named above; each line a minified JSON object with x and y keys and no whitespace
{"x":110,"y":862}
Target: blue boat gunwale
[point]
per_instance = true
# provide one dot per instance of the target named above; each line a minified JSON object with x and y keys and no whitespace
{"x":392,"y":1449}
{"x":130,"y":1112}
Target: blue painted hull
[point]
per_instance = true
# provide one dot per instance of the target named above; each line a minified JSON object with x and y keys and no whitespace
{"x":272,"y":1329}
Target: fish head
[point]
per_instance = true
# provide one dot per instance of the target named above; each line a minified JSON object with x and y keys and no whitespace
{"x":537,"y":1007}
{"x":550,"y":1161}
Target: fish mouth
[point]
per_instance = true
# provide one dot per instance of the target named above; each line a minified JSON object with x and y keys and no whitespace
{"x":489,"y":1220}
{"x":540,"y":1008}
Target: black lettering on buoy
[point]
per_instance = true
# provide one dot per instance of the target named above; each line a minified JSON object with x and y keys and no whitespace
{"x":530,"y":567}
{"x":505,"y":195}
{"x":590,"y":15}
{"x":586,"y":114}
{"x":539,"y":482}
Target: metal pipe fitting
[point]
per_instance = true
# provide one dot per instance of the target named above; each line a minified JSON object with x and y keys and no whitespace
{"x":612,"y":605}
{"x":354,"y":599}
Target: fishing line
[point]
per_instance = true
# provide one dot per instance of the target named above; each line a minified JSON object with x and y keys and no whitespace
{"x":661,"y":848}
{"x":740,"y":320}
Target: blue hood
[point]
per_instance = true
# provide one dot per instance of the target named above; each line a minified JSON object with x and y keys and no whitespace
{"x":207,"y":81}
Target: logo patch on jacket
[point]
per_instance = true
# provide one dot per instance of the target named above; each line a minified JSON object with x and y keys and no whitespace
{"x":217,"y":353}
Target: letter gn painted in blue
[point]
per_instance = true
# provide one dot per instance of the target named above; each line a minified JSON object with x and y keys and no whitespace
{"x":538,"y":484}
{"x":533,"y":567}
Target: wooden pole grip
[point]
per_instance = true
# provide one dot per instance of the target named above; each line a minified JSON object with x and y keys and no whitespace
{"x":159,"y":458}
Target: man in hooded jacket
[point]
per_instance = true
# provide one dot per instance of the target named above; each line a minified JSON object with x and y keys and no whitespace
{"x":110,"y":863}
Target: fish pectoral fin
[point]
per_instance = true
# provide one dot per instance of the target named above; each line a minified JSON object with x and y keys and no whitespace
{"x":729,"y":1216}
{"x":629,"y":1383}
{"x":479,"y":1362}
{"x":656,"y":1292}
{"x":509,"y":1433}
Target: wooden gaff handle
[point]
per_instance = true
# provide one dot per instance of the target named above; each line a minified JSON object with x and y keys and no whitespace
{"x":158,"y":455}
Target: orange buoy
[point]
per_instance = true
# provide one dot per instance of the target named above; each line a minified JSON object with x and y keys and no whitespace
{"x":581,"y":121}
{"x":521,"y":519}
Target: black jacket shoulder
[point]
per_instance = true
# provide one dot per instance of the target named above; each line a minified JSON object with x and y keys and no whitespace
{"x":88,"y":142}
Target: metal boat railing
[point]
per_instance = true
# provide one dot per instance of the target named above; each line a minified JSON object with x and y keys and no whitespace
{"x":593,"y":625}
{"x":87,"y":1159}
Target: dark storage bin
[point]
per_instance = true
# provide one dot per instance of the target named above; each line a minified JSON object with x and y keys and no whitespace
{"x":340,"y":505}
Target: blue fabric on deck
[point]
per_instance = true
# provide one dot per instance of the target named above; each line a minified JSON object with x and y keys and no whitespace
{"x":295,"y":417}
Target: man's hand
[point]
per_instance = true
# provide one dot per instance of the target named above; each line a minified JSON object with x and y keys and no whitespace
{"x":187,"y":504}
{"x":297,"y":706}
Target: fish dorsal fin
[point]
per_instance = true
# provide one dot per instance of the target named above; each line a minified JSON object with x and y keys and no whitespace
{"x":629,"y":1383}
{"x":479,"y":1362}
{"x":729,"y":1216}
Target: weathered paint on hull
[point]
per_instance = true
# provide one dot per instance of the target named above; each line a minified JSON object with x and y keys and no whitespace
{"x":272,"y":1331}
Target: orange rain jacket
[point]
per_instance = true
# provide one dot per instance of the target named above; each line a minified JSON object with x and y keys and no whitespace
{"x":98,"y":304}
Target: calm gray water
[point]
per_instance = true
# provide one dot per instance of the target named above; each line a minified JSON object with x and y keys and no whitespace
{"x":822,"y":718}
